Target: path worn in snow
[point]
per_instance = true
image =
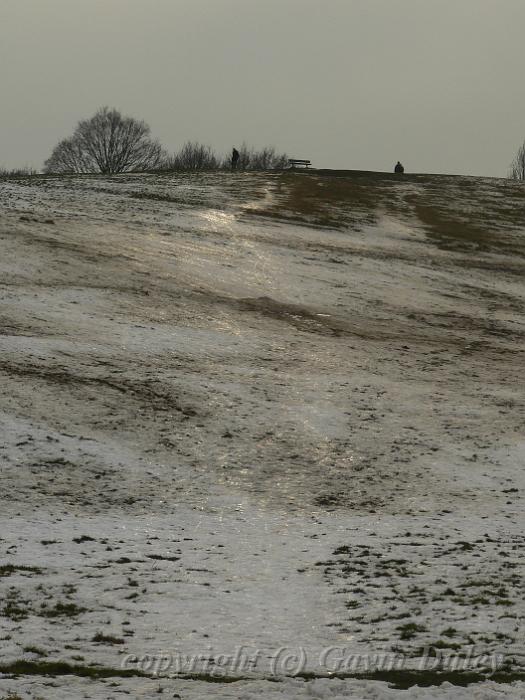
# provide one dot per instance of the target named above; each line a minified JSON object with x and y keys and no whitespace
{"x":260,"y":410}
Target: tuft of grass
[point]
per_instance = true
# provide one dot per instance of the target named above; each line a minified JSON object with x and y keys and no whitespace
{"x":61,"y":610}
{"x":405,"y":679}
{"x":30,"y":649}
{"x":63,"y":668}
{"x":410,"y":630}
{"x":106,"y":639}
{"x":14,"y":611}
{"x":449,"y":632}
{"x":9,"y":569}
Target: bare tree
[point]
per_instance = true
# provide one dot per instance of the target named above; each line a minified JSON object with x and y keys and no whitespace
{"x":24,"y":171}
{"x":517,"y":168}
{"x":244,"y":162}
{"x":245,"y":157}
{"x":106,"y":143}
{"x":68,"y":157}
{"x":193,"y":156}
{"x":267,"y":159}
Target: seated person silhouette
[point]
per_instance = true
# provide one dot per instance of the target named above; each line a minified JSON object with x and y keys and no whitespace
{"x":399,"y":168}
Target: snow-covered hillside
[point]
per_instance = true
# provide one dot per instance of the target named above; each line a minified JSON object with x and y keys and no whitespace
{"x":266,"y":427}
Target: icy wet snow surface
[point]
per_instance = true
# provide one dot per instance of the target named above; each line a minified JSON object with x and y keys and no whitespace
{"x":282,"y":413}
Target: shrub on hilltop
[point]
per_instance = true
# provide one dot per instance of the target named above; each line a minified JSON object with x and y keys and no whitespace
{"x":196,"y":156}
{"x":110,"y":143}
{"x":517,"y":167}
{"x":106,"y":143}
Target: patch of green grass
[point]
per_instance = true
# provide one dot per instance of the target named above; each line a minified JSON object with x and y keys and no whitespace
{"x":14,"y":611}
{"x":344,"y":549}
{"x":455,"y":232}
{"x":106,"y":639}
{"x":449,"y":632}
{"x":17,"y":609}
{"x":401,"y":680}
{"x":61,"y":610}
{"x":410,"y":630}
{"x":475,"y":583}
{"x":63,"y":668}
{"x":321,"y":201}
{"x":9,"y":569}
{"x":30,"y":649}
{"x":479,"y":600}
{"x":405,"y":679}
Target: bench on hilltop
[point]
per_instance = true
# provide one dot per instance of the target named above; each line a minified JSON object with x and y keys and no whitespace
{"x":294,"y":162}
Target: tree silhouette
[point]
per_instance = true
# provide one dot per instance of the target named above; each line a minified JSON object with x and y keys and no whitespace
{"x":106,"y":143}
{"x":517,"y":167}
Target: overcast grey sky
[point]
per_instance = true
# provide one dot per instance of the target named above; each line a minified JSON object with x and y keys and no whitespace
{"x":437,"y":84}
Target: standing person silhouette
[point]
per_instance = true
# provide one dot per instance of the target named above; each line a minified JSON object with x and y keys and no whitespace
{"x":399,"y":168}
{"x":235,"y":158}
